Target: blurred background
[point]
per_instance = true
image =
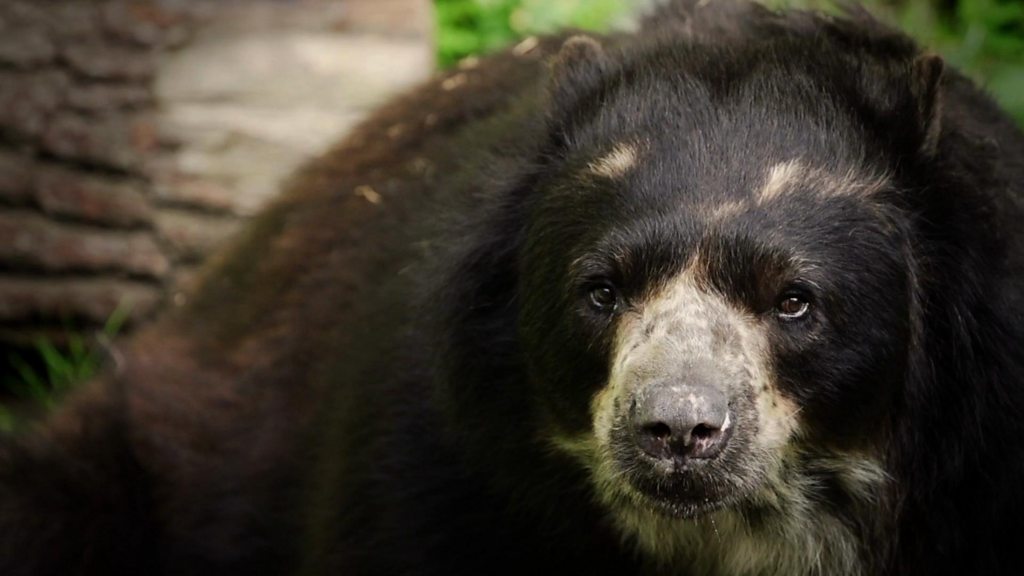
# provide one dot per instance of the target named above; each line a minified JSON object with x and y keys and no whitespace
{"x":137,"y":135}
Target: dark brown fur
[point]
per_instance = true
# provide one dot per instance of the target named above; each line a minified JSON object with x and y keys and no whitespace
{"x":207,"y":406}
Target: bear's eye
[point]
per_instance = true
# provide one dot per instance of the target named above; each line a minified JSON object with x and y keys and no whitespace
{"x":793,"y":306}
{"x":603,"y":297}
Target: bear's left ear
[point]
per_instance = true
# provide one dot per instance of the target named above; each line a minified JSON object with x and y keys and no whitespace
{"x":925,"y":87}
{"x":578,"y":69}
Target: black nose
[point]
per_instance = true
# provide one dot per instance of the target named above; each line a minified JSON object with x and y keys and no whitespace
{"x":672,"y":420}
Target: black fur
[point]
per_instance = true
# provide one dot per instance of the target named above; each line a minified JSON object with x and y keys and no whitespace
{"x":373,"y":388}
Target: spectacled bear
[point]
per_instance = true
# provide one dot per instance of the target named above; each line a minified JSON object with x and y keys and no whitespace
{"x":737,"y":294}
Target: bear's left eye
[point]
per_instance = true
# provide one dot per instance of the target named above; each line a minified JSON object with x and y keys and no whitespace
{"x":603,"y":297}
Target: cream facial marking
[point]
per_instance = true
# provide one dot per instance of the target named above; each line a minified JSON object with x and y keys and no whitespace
{"x":684,"y":323}
{"x":617,"y":163}
{"x":785,"y":177}
{"x":726,"y":211}
{"x":781,"y":178}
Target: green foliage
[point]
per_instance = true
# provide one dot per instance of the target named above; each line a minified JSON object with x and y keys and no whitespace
{"x":468,"y":27}
{"x":52,"y":371}
{"x":984,"y":38}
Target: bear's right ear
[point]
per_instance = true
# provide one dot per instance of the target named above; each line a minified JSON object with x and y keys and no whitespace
{"x":925,"y":86}
{"x":576,"y":71}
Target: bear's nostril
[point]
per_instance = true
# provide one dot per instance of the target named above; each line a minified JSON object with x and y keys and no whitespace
{"x":655,"y":440}
{"x":705,"y":441}
{"x":659,"y":430}
{"x":705,"y":432}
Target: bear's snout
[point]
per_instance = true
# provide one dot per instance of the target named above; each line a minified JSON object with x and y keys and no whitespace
{"x":674,"y":420}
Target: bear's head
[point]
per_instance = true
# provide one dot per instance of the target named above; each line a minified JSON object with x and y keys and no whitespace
{"x":710,"y":281}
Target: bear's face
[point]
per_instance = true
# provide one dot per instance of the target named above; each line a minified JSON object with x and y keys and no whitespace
{"x":717,"y":300}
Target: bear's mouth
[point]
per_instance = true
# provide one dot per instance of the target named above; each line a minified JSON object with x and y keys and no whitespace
{"x":682,"y":487}
{"x":684,"y":509}
{"x":685,"y":492}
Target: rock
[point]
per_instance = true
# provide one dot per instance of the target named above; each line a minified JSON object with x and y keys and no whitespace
{"x":24,"y":299}
{"x":109,"y":62}
{"x":15,"y":177}
{"x":29,"y":241}
{"x":201,"y":193}
{"x":102,"y":200}
{"x":265,"y":88}
{"x":26,"y":48}
{"x":192,"y":235}
{"x":28,"y":100}
{"x":136,"y":135}
{"x":111,"y":141}
{"x":147,"y":23}
{"x":109,"y":97}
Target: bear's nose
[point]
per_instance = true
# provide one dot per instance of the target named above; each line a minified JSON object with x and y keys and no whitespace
{"x":672,"y":420}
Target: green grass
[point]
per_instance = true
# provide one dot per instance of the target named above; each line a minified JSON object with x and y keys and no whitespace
{"x":984,"y":38}
{"x":43,"y":374}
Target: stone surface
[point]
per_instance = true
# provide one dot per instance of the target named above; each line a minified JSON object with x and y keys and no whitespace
{"x":67,"y":20}
{"x":109,"y":62}
{"x":19,"y":15}
{"x":23,"y":299}
{"x":192,"y":235}
{"x":390,"y":17}
{"x":102,"y":200}
{"x":15,"y":177}
{"x":114,"y":141}
{"x":25,"y":48}
{"x":175,"y":189}
{"x":31,"y":242}
{"x":108,"y":97}
{"x":147,"y":24}
{"x":136,"y":135}
{"x":28,"y":100}
{"x":266,"y":88}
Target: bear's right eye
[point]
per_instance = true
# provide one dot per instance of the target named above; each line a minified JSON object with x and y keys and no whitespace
{"x":603,"y":298}
{"x":793,"y":305}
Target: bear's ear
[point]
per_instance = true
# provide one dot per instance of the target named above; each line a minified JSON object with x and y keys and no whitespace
{"x":577,"y":70}
{"x":925,"y":88}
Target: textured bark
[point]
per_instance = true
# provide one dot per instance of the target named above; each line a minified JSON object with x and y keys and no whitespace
{"x":137,"y":135}
{"x":78,"y":131}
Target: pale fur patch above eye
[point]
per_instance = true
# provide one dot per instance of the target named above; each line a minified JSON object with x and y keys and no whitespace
{"x":781,"y":178}
{"x":726,"y":211}
{"x":786,"y":177}
{"x":617,"y":163}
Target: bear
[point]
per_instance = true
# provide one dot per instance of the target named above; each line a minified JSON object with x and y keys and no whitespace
{"x":738,"y":293}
